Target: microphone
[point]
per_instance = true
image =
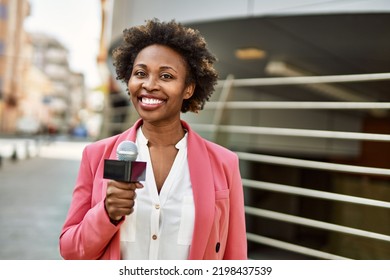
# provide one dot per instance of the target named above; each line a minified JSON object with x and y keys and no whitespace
{"x":125,"y":169}
{"x":127,"y":151}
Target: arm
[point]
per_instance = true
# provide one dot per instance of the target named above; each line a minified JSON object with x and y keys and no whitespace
{"x":87,"y":230}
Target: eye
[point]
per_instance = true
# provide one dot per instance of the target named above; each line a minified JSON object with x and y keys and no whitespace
{"x":139,"y":73}
{"x":166,"y":76}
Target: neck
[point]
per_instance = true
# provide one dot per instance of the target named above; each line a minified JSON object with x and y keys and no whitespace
{"x":163,"y":135}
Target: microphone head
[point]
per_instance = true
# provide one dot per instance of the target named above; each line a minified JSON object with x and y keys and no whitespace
{"x":127,"y":151}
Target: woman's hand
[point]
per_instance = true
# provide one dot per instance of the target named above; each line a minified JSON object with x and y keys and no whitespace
{"x":120,"y":198}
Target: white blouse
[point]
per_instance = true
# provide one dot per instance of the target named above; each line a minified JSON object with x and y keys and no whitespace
{"x":161,"y":225}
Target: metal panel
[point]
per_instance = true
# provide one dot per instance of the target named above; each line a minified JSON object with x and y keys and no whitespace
{"x":222,"y":129}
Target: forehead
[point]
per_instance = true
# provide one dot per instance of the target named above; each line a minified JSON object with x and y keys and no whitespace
{"x":160,"y":55}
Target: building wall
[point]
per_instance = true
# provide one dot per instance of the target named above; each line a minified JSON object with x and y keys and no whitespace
{"x":12,"y":63}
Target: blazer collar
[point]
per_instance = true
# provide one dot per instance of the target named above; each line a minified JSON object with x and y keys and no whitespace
{"x":203,"y":190}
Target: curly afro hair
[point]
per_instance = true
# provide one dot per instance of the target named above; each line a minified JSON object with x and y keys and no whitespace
{"x":186,"y":41}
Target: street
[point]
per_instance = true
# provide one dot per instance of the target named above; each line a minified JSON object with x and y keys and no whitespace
{"x":35,"y":194}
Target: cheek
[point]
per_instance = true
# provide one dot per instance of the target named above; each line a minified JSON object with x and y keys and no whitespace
{"x":132,"y":87}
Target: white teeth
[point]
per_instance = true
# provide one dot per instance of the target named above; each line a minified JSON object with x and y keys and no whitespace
{"x":151,"y":101}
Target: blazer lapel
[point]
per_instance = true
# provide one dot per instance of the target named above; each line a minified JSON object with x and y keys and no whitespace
{"x":203,"y":191}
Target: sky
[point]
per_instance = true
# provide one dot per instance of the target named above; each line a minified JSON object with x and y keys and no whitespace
{"x":76,"y":24}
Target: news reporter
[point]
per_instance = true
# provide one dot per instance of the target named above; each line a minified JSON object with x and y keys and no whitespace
{"x":190,"y":205}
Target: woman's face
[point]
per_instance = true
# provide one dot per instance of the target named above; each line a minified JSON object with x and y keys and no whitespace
{"x":157,"y":84}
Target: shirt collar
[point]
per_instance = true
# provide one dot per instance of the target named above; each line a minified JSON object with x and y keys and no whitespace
{"x":182,"y":144}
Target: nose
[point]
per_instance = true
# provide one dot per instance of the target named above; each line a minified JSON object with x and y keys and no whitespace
{"x":150,"y":83}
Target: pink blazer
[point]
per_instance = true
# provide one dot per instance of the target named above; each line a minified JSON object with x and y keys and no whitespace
{"x":219,"y":230}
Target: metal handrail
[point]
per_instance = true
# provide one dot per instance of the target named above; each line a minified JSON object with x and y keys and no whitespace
{"x":293,"y":132}
{"x":314,"y":223}
{"x":313,"y":193}
{"x":303,"y":80}
{"x":292,"y":247}
{"x":220,"y":109}
{"x":307,"y":105}
{"x":314,"y":164}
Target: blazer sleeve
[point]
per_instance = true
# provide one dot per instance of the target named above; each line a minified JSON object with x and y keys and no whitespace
{"x":236,"y":246}
{"x":87,"y":230}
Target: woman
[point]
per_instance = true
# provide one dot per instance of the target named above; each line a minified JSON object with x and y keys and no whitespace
{"x":190,"y":205}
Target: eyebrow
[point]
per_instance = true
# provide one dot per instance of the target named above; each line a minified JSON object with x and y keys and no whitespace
{"x":167,"y":67}
{"x":162,"y":67}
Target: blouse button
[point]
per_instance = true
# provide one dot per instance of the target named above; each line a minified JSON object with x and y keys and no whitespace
{"x":154,"y":237}
{"x":217,"y":247}
{"x":157,"y":206}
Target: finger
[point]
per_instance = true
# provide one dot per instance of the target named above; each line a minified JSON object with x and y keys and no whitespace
{"x":114,"y":192}
{"x":119,"y":208}
{"x":119,"y":212}
{"x":121,"y":185}
{"x":119,"y":203}
{"x":124,"y":185}
{"x":115,"y":197}
{"x":129,"y":212}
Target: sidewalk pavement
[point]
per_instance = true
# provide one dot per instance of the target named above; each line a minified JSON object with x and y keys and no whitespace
{"x":35,"y":194}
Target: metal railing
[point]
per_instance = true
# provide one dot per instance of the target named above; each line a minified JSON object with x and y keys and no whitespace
{"x":299,"y":105}
{"x":306,"y":80}
{"x":217,"y":128}
{"x":313,"y":193}
{"x":341,"y":135}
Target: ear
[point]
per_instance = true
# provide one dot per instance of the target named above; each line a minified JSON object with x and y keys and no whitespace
{"x":189,"y":91}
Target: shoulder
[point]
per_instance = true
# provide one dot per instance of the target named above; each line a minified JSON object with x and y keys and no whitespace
{"x":221,"y":157}
{"x":102,"y":144}
{"x":104,"y":148}
{"x":219,"y":150}
{"x":215,"y":151}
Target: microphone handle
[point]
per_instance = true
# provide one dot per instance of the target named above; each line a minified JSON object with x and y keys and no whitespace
{"x":124,"y":171}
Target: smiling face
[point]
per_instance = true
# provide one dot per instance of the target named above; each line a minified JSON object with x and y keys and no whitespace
{"x":157,"y":84}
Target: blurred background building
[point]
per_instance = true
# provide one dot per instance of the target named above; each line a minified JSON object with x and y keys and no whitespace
{"x":39,"y":93}
{"x":13,"y":62}
{"x":67,"y":96}
{"x":303,"y":99}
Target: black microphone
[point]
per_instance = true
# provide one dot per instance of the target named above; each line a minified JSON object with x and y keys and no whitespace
{"x":125,"y":169}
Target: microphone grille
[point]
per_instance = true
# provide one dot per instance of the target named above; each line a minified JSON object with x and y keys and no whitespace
{"x":127,"y":151}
